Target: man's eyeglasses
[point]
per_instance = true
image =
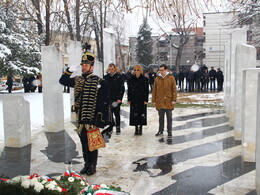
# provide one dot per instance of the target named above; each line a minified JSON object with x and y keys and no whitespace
{"x":136,"y":70}
{"x":161,"y":70}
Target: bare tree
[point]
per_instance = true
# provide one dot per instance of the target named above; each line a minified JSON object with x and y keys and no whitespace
{"x":247,"y":13}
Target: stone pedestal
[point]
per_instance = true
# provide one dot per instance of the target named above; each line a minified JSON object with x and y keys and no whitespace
{"x":52,"y":89}
{"x":227,"y":79}
{"x":17,"y":125}
{"x":237,"y":36}
{"x":258,"y":138}
{"x":109,"y":48}
{"x":248,"y":120}
{"x":245,"y":58}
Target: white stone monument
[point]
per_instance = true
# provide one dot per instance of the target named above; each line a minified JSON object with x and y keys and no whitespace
{"x":17,"y":125}
{"x":258,"y":138}
{"x":109,"y":48}
{"x":227,"y":79}
{"x":52,"y":89}
{"x":237,"y":36}
{"x":248,"y":118}
{"x":245,"y":57}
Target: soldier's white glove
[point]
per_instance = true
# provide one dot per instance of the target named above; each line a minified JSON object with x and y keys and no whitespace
{"x":73,"y":67}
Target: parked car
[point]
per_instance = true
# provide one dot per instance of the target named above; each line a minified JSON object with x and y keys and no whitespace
{"x":16,"y":85}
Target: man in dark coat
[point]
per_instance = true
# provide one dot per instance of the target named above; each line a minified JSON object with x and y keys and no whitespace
{"x":91,"y":102}
{"x":181,"y":79}
{"x":220,"y":79}
{"x":9,"y":83}
{"x":138,"y":92}
{"x":212,"y":77}
{"x":116,"y":89}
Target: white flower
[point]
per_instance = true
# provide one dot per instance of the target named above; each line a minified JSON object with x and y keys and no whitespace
{"x":103,"y":185}
{"x":59,"y":189}
{"x":71,"y":179}
{"x":38,"y":187}
{"x":18,"y":178}
{"x":58,"y":178}
{"x":44,"y":181}
{"x":50,"y":186}
{"x":82,"y":183}
{"x":34,"y":181}
{"x":25,"y":184}
{"x":53,"y":182}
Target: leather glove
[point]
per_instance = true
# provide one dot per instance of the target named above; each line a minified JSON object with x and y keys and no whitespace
{"x":73,"y":67}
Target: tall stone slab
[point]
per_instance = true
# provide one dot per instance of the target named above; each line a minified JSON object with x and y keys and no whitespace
{"x":245,"y":58}
{"x":237,"y":36}
{"x":227,"y":79}
{"x":52,"y":89}
{"x":109,"y":47}
{"x":249,"y":110}
{"x":258,"y":138}
{"x":17,"y":125}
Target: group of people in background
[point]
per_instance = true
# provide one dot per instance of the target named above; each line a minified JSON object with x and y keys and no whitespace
{"x":31,"y":83}
{"x":188,"y":80}
{"x":200,"y":80}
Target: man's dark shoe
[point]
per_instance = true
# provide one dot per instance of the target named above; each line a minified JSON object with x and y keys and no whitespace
{"x":118,"y":130}
{"x":85,"y":169}
{"x":91,"y":170}
{"x":159,"y":133}
{"x":169,"y":134}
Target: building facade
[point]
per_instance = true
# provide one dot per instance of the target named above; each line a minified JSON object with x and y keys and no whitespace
{"x":164,"y":54}
{"x":217,"y":31}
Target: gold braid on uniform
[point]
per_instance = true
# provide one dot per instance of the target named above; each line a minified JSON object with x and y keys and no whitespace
{"x":85,"y":95}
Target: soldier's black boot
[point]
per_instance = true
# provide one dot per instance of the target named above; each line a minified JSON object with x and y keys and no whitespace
{"x":93,"y":162}
{"x":136,"y":130}
{"x":140,"y":130}
{"x":86,"y":165}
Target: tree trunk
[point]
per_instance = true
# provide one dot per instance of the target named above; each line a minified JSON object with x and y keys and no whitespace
{"x":47,"y":38}
{"x":77,"y":21}
{"x":36,"y":4}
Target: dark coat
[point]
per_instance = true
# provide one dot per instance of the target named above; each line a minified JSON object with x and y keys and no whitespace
{"x":116,"y":86}
{"x":102,"y":103}
{"x":138,"y":91}
{"x":220,"y":76}
{"x":212,"y":74}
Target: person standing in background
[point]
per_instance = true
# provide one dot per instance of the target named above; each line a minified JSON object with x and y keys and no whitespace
{"x":164,"y":97}
{"x":9,"y":83}
{"x":220,"y":79}
{"x":116,"y":90}
{"x":212,"y":77}
{"x":138,"y":92}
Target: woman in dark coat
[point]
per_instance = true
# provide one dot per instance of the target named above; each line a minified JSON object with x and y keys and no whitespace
{"x":138,"y":91}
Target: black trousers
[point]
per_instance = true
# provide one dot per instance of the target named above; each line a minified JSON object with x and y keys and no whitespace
{"x":89,"y":157}
{"x":116,"y":112}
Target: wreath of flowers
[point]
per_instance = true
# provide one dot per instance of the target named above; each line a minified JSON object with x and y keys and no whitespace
{"x":69,"y":183}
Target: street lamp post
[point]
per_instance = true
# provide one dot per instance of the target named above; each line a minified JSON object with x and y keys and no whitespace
{"x":219,"y":47}
{"x":171,"y":52}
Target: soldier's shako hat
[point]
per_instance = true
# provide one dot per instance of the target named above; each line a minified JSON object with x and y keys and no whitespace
{"x":87,"y":56}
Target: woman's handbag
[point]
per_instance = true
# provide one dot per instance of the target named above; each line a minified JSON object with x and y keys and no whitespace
{"x":95,"y":140}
